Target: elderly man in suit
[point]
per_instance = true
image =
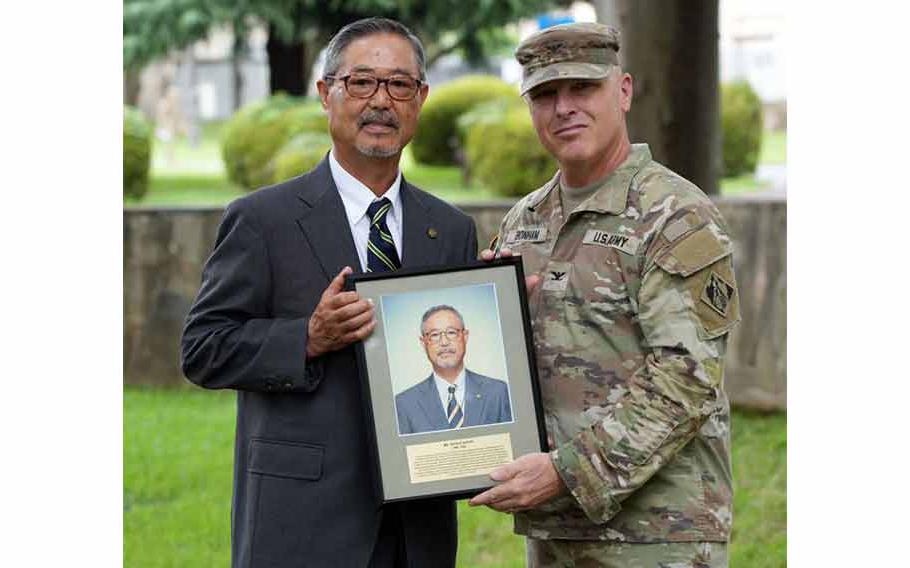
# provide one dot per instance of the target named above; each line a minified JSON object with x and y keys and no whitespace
{"x":272,"y":322}
{"x":452,"y":396}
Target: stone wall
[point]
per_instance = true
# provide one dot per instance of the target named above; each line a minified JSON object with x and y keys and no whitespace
{"x":164,"y":250}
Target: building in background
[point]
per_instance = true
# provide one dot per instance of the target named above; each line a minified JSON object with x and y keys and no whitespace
{"x":202,"y":77}
{"x":752,"y":38}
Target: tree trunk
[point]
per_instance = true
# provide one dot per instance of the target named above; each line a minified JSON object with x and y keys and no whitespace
{"x":288,"y":71}
{"x":670,"y":47}
{"x":190,"y":104}
{"x":237,"y":52}
{"x":131,"y":86}
{"x":311,"y":54}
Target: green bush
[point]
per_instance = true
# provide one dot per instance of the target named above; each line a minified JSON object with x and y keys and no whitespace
{"x":256,"y":133}
{"x":487,"y":112}
{"x":137,"y":152}
{"x":741,"y":123}
{"x":505,"y":155}
{"x":300,"y":155}
{"x":437,"y":139}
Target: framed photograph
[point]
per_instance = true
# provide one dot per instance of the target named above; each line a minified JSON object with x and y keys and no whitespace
{"x":449,"y":381}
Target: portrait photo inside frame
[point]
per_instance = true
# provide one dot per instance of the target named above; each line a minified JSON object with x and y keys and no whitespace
{"x":446,"y":339}
{"x":466,"y":327}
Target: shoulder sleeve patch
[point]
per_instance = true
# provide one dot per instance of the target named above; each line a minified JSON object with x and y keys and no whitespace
{"x":716,"y":298}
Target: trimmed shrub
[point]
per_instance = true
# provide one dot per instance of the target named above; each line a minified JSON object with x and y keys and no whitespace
{"x":487,"y":112}
{"x":137,"y":152}
{"x":437,"y":139}
{"x":255,"y":134}
{"x":741,"y":123}
{"x":506,"y":156}
{"x":300,"y":155}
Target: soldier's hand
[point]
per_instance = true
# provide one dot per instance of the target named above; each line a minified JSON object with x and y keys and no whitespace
{"x":526,"y":483}
{"x":531,"y":282}
{"x":340,"y":318}
{"x":487,"y":255}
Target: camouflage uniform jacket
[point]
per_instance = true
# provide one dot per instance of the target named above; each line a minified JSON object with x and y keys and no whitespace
{"x":630,"y":327}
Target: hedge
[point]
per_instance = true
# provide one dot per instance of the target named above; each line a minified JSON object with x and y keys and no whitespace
{"x":300,"y":155}
{"x":255,"y":135}
{"x":137,"y":152}
{"x":505,"y":155}
{"x":741,"y":123}
{"x":437,"y":140}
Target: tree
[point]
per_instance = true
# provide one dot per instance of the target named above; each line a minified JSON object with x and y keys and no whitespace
{"x":670,"y":48}
{"x":299,"y":29}
{"x":154,"y":28}
{"x":443,"y":26}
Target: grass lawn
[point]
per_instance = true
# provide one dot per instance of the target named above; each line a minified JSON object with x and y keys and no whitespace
{"x":184,"y":175}
{"x":187,"y":190}
{"x":773,"y":147}
{"x":177,"y":467}
{"x":740,"y":184}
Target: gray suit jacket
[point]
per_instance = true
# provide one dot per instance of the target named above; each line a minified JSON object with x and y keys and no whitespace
{"x":420,"y":409}
{"x":303,"y":492}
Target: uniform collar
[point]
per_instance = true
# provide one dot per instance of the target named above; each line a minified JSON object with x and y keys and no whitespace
{"x":612,"y":196}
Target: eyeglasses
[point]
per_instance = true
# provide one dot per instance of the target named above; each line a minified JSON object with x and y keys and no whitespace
{"x":436,"y":336}
{"x":399,"y":87}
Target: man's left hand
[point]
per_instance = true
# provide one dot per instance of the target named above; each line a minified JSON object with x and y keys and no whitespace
{"x":526,"y":482}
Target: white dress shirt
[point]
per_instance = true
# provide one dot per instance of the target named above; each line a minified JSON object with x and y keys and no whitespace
{"x":442,"y":386}
{"x":357,"y":198}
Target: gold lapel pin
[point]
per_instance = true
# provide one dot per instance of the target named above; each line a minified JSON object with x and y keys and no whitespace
{"x":432,"y":233}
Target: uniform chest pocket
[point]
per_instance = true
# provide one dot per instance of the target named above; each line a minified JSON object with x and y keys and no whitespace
{"x":607,"y":279}
{"x":590,"y":292}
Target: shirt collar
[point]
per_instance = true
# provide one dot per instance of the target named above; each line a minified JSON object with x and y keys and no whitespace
{"x":357,"y":196}
{"x":443,"y":385}
{"x":613,"y":194}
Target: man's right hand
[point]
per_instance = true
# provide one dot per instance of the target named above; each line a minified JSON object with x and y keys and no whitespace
{"x":341,"y":318}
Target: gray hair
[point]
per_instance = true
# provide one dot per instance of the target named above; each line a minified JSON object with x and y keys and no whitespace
{"x":367,"y":27}
{"x":440,"y":308}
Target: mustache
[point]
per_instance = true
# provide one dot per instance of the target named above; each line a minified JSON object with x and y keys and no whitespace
{"x":383,"y":117}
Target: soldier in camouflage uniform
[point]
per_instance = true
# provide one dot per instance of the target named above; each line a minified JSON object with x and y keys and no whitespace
{"x":630,"y":320}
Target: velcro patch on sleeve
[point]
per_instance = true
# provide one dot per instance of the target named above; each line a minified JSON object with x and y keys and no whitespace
{"x":676,"y":229}
{"x":625,"y":243}
{"x":693,"y":252}
{"x":526,"y":235}
{"x":703,"y":261}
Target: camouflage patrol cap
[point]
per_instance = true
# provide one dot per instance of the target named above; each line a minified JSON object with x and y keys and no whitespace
{"x":567,"y":51}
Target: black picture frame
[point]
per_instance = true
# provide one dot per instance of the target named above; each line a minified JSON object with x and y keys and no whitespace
{"x":437,"y":461}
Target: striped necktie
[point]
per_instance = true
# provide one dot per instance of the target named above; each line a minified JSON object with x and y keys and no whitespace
{"x":456,"y":417}
{"x":381,"y":253}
